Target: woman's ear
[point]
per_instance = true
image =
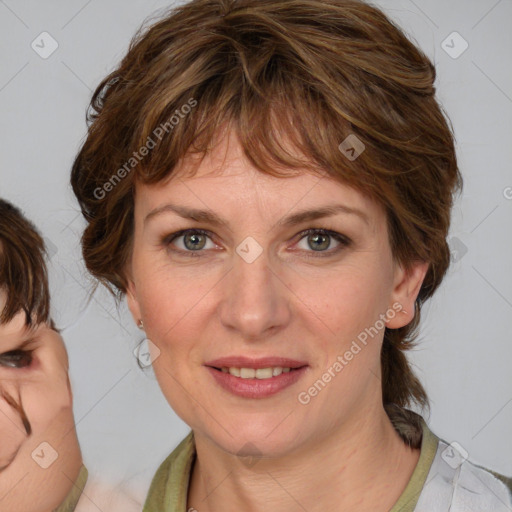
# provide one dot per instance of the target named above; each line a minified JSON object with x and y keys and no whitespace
{"x":407,"y":285}
{"x":132,"y":301}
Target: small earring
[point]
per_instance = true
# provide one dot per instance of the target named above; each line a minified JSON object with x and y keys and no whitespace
{"x":140,"y":325}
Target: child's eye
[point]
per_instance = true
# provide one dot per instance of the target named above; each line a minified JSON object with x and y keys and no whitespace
{"x":16,"y":359}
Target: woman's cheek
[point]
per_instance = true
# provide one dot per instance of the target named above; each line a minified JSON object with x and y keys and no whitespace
{"x":165,"y":301}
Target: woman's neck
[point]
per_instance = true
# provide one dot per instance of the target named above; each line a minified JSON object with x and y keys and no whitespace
{"x":363,"y":466}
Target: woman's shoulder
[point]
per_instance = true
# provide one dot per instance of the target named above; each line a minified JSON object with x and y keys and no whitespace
{"x":479,"y":488}
{"x":445,"y":478}
{"x":462,"y":484}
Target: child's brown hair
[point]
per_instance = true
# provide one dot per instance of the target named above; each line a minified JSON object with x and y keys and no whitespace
{"x":23,"y":272}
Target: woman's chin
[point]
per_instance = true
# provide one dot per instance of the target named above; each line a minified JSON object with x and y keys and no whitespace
{"x":249,"y":440}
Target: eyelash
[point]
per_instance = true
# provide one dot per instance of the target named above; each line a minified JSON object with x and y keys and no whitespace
{"x":341,"y":239}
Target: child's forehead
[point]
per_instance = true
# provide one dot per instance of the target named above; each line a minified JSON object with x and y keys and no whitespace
{"x":16,"y":326}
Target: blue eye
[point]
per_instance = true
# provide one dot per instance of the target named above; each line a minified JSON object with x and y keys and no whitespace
{"x":319,"y":240}
{"x":193,"y":240}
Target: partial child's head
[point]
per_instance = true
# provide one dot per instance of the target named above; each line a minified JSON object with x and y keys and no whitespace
{"x":35,"y":394}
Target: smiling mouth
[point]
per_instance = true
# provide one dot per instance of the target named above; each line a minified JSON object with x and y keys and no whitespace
{"x":256,"y":378}
{"x":259,"y":373}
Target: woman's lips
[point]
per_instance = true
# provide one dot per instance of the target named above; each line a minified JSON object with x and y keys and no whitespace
{"x":260,"y":362}
{"x":253,"y":387}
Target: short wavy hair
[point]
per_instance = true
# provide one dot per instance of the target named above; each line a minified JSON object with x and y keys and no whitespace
{"x":314,"y":71}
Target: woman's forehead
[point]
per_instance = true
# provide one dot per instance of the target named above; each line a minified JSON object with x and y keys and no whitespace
{"x":254,"y":200}
{"x":242,"y":187}
{"x":226,"y":172}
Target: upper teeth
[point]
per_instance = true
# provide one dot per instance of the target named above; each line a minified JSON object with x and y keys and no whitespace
{"x":251,"y":373}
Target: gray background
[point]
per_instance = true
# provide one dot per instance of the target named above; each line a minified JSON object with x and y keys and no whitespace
{"x":464,"y":356}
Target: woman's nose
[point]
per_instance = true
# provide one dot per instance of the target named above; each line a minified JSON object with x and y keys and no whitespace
{"x":255,"y":301}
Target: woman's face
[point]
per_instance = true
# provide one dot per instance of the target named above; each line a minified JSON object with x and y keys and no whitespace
{"x":254,"y":290}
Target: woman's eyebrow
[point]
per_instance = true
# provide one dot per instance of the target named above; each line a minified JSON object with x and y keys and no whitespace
{"x":188,"y":213}
{"x":296,"y":218}
{"x":325,"y":211}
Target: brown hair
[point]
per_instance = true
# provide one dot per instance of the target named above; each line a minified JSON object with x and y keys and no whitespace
{"x":317,"y":71}
{"x":24,"y":278}
{"x":23,"y":273}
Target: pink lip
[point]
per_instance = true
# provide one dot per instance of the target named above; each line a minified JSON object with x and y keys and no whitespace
{"x":247,"y":362}
{"x":256,"y":388}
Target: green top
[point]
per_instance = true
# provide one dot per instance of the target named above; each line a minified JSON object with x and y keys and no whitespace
{"x":169,"y":488}
{"x":69,"y":504}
